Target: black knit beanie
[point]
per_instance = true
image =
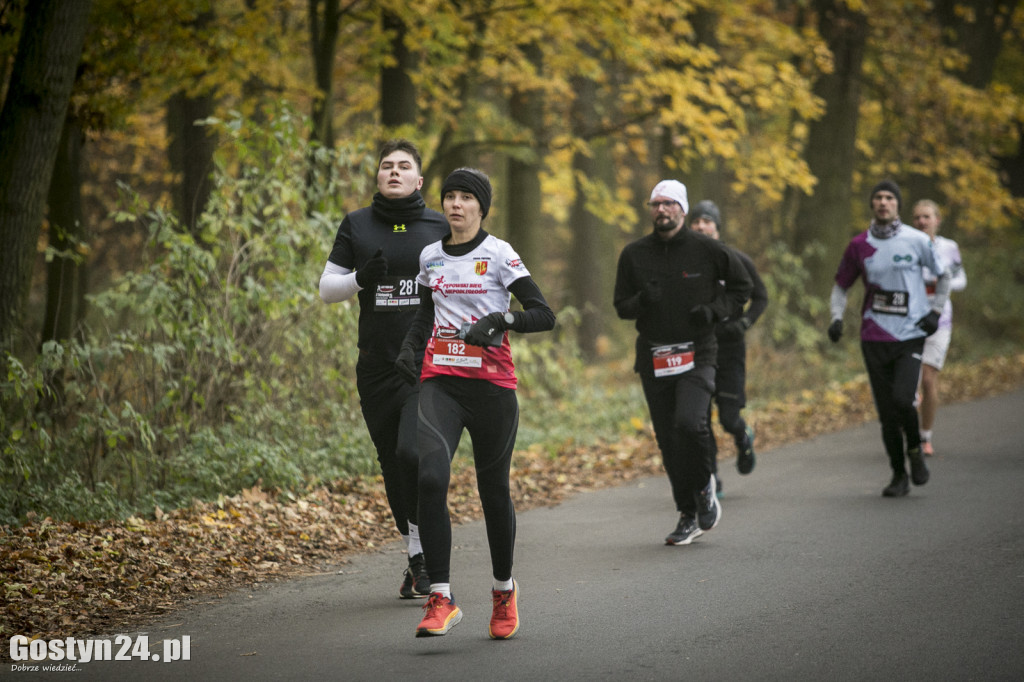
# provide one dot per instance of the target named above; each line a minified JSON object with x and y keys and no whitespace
{"x":469,"y":180}
{"x":888,"y":186}
{"x":706,"y":209}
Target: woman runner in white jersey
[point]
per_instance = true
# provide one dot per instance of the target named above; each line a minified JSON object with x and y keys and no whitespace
{"x":468,"y":383}
{"x":928,"y":218}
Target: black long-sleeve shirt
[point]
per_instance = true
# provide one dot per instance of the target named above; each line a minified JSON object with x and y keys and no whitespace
{"x":758,"y":304}
{"x":688,"y":270}
{"x":401,"y":228}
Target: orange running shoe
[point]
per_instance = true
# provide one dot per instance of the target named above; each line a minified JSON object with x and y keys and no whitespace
{"x":926,"y":448}
{"x":441,"y":615}
{"x":505,"y":616}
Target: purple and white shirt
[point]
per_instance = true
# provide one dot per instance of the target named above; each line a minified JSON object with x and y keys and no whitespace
{"x":895,"y":297}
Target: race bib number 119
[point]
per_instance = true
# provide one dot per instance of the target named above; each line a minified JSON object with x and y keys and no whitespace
{"x":672,"y":359}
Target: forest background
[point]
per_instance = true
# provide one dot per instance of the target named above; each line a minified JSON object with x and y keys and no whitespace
{"x":172,"y":175}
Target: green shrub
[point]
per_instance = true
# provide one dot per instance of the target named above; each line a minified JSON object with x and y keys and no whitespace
{"x":213,"y":366}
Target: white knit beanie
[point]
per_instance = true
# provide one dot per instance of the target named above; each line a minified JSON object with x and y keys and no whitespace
{"x":673,"y":189}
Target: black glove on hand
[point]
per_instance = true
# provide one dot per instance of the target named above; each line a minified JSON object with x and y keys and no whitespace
{"x":929,"y":323}
{"x":487,"y":330}
{"x":372,"y":271}
{"x":835,"y":331}
{"x":733,"y":330}
{"x":405,"y":365}
{"x":701,"y":315}
{"x":651,"y":293}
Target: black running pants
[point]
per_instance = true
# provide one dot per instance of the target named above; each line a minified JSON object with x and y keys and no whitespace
{"x":730,"y":394}
{"x":893,"y":369}
{"x":449,"y":405}
{"x":388,"y":404}
{"x":679,"y":409}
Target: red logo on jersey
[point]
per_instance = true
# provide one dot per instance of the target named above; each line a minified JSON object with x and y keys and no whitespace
{"x":438,"y":286}
{"x":480,"y":266}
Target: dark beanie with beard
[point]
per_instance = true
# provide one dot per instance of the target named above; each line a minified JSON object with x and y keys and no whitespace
{"x":888,"y":186}
{"x":469,"y":180}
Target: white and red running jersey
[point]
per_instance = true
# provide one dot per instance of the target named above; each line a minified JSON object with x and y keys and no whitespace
{"x":465,"y":289}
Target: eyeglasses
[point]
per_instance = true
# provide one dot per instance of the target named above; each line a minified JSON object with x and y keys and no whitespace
{"x":655,"y":205}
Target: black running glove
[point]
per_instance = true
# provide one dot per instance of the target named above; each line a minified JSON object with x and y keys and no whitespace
{"x":487,"y":330}
{"x":835,"y":331}
{"x":701,"y":315}
{"x":733,"y":330}
{"x":929,"y":324}
{"x":373,"y":270}
{"x":405,"y":365}
{"x":651,"y":293}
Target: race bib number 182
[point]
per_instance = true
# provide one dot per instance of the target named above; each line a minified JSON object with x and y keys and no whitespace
{"x":457,"y":353}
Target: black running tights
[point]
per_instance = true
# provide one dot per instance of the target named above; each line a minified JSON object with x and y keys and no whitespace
{"x":449,"y":405}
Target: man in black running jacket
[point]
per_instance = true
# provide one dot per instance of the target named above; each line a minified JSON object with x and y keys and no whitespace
{"x":677,"y":284}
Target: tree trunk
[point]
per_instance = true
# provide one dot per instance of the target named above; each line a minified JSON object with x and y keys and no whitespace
{"x":452,"y":151}
{"x":30,"y":128}
{"x":702,"y":182}
{"x":191,"y":147}
{"x":592,"y":257}
{"x":66,"y":231}
{"x":397,"y":93}
{"x":982,"y":39}
{"x":825,"y":217}
{"x":191,"y":150}
{"x":323,"y":34}
{"x":523,"y":197}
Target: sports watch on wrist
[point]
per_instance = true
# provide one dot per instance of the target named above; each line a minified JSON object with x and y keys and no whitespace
{"x":509,"y":318}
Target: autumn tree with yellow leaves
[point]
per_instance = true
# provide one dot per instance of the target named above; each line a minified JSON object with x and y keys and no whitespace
{"x":182,"y":155}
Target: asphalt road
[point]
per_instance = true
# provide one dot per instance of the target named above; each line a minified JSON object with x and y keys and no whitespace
{"x":811,"y":575}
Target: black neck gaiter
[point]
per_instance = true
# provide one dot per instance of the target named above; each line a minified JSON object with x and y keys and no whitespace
{"x":403,"y":210}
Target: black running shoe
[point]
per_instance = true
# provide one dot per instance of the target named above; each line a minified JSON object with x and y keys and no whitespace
{"x":898,"y":487}
{"x":919,"y":473}
{"x":685,"y":533}
{"x":709,"y":509}
{"x":416,"y":583}
{"x":745,"y":460}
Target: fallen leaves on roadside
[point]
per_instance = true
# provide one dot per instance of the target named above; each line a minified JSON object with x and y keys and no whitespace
{"x":63,"y":579}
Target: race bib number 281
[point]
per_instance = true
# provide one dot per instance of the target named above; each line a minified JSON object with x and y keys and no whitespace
{"x":396,"y":293}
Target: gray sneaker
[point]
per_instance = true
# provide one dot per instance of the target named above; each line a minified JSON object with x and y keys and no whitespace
{"x":709,"y":509}
{"x":685,"y":533}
